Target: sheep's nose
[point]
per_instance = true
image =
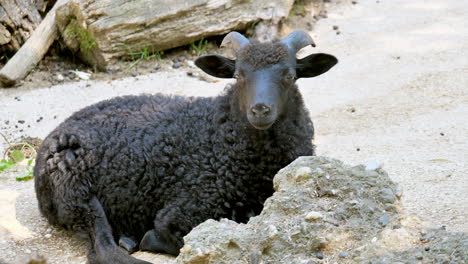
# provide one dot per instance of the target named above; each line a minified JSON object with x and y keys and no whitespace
{"x":260,"y":110}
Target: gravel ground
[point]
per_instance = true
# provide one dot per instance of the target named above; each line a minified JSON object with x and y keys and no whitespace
{"x":399,"y":96}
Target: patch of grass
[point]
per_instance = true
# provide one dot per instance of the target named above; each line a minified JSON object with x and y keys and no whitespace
{"x":14,"y":154}
{"x":299,"y":7}
{"x":250,"y":29}
{"x":200,"y":47}
{"x":145,"y":54}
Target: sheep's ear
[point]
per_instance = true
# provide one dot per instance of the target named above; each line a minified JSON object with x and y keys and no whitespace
{"x":314,"y":65}
{"x":217,"y":65}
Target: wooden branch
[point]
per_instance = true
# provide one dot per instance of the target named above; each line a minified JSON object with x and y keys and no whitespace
{"x":32,"y":51}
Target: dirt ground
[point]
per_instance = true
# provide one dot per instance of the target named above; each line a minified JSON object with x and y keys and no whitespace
{"x":399,"y":96}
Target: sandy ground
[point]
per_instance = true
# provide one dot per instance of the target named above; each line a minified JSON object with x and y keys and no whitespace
{"x":398,"y":96}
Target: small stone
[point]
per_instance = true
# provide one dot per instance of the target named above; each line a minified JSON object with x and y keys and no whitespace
{"x":176,"y":65}
{"x":384,"y":220}
{"x":60,"y":77}
{"x":28,"y":251}
{"x":191,"y":64}
{"x":338,"y":32}
{"x":396,"y":226}
{"x":442,"y":134}
{"x":443,"y":228}
{"x":353,"y":2}
{"x":427,"y":248}
{"x":134,"y":74}
{"x":335,"y":27}
{"x":157,"y":68}
{"x":358,"y":149}
{"x":343,"y":255}
{"x":21,"y":121}
{"x":48,"y":236}
{"x":313,"y":216}
{"x":319,"y":255}
{"x":373,"y":165}
{"x":419,"y":256}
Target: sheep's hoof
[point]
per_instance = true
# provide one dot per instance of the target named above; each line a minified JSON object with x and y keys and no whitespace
{"x":128,"y":244}
{"x":154,"y":243}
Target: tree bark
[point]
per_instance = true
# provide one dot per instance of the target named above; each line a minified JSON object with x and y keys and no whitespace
{"x":18,"y":19}
{"x":102,"y":30}
{"x":32,"y":51}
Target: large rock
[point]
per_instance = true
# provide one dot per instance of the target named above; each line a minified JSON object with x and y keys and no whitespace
{"x":323,"y":209}
{"x":102,"y":30}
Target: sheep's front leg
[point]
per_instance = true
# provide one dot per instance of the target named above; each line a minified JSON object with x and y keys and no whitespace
{"x":176,"y":220}
{"x":103,"y":248}
{"x":153,"y":242}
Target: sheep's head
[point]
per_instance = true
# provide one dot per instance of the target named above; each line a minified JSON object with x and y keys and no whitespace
{"x":265,"y":72}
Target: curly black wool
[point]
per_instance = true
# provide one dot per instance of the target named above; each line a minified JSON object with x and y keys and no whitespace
{"x":183,"y":160}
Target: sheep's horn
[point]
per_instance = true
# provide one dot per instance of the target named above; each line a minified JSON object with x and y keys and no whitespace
{"x":235,"y":40}
{"x":297,"y":40}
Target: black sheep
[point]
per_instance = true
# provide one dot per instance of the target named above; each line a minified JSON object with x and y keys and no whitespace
{"x":149,"y":168}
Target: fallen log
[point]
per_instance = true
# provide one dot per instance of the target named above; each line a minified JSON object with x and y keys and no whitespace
{"x":103,"y":30}
{"x":32,"y":51}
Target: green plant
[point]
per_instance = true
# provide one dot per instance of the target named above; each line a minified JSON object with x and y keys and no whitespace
{"x":145,"y":54}
{"x":84,"y":37}
{"x":200,"y":47}
{"x":299,"y":7}
{"x":14,"y":154}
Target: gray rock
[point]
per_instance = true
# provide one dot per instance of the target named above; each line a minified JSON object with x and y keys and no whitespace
{"x":343,"y":255}
{"x":301,"y":218}
{"x":384,"y":220}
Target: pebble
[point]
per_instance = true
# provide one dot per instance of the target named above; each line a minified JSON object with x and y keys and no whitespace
{"x":28,"y":251}
{"x":48,"y":236}
{"x":319,"y":255}
{"x":134,"y":74}
{"x":373,"y":165}
{"x":396,"y":226}
{"x":191,"y":64}
{"x":176,"y":65}
{"x":313,"y":216}
{"x":60,"y":77}
{"x":335,"y":27}
{"x":21,"y":121}
{"x":384,"y":220}
{"x":343,"y":255}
